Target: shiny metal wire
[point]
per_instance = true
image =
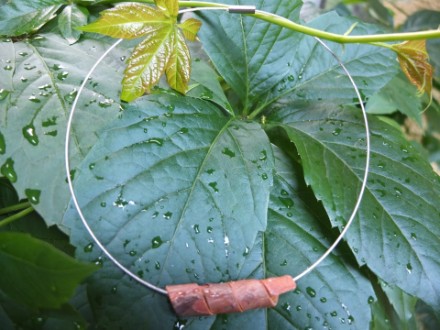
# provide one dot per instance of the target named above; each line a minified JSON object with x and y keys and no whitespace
{"x":148,"y":284}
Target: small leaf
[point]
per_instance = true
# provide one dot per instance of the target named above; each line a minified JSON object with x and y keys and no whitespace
{"x":147,"y":63}
{"x":169,"y":7}
{"x":413,"y":59}
{"x":178,"y":69}
{"x":37,"y":274}
{"x":129,"y":21}
{"x":71,"y":17}
{"x":190,"y":28}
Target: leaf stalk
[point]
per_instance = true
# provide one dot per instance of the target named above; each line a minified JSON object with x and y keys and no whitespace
{"x":16,"y":216}
{"x":13,"y":208}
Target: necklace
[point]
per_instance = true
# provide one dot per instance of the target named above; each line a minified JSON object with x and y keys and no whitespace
{"x":235,"y":296}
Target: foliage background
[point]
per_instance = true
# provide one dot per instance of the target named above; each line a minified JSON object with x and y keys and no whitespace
{"x":367,"y":283}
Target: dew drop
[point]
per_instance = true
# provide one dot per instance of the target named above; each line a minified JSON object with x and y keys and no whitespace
{"x":334,"y":314}
{"x":336,"y":131}
{"x":156,"y":242}
{"x":132,"y":253}
{"x":210,"y":229}
{"x":196,"y":229}
{"x":311,"y":292}
{"x":62,"y":75}
{"x":213,"y":185}
{"x":263,"y":155}
{"x":290,"y":77}
{"x":114,"y":289}
{"x":246,"y":252}
{"x":70,"y":96}
{"x":88,"y":248}
{"x":323,"y":300}
{"x":122,"y":58}
{"x":370,"y":300}
{"x":157,"y":265}
{"x":33,"y":195}
{"x":409,"y":268}
{"x":8,"y":170}
{"x":264,"y":176}
{"x":23,"y":54}
{"x":29,"y":67}
{"x":3,"y":94}
{"x":167,"y":215}
{"x":414,"y":236}
{"x":228,"y":152}
{"x":286,"y":306}
{"x":105,"y":103}
{"x":30,"y":135}
{"x":298,"y":308}
{"x":7,"y":67}
{"x":23,"y":79}
{"x":287,"y":202}
{"x":103,"y":204}
{"x":157,"y":141}
{"x":284,"y":263}
{"x":34,"y":99}
{"x":183,"y":130}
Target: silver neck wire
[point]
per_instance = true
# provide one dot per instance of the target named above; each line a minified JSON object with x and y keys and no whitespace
{"x":104,"y":249}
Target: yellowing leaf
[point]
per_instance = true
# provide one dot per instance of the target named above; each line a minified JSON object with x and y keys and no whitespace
{"x":147,"y":63}
{"x":162,"y":50}
{"x":190,"y":28}
{"x":169,"y":7}
{"x":413,"y":59}
{"x":128,"y":21}
{"x":179,"y":66}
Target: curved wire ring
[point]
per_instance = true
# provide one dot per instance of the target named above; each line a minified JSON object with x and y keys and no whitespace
{"x":156,"y":288}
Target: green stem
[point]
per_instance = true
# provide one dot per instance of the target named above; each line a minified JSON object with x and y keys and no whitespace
{"x":16,"y":216}
{"x":13,"y":208}
{"x":340,"y":38}
{"x":284,"y":22}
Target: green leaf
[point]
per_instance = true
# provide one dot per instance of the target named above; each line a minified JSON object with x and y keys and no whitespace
{"x":130,"y":21}
{"x":251,"y":55}
{"x":205,"y":85}
{"x":397,"y":95}
{"x":178,"y":69}
{"x":403,"y":304}
{"x":69,"y":19}
{"x":397,"y":224}
{"x":334,"y":295}
{"x":188,"y":171}
{"x":314,"y":74}
{"x":148,"y":63}
{"x":35,"y":273}
{"x":44,"y":81}
{"x":26,"y":16}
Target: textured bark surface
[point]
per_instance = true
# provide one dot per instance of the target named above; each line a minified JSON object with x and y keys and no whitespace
{"x":231,"y":297}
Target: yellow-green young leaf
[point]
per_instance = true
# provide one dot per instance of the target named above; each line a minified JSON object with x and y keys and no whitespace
{"x":178,"y":69}
{"x":169,"y":7}
{"x":129,"y":21}
{"x":190,"y":28}
{"x":147,"y":63}
{"x":413,"y":59}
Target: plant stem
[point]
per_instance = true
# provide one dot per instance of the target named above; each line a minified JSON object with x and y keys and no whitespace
{"x":284,"y":22}
{"x":16,"y":207}
{"x":16,"y":216}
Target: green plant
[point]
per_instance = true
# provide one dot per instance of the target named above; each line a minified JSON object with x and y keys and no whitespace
{"x":251,"y":173}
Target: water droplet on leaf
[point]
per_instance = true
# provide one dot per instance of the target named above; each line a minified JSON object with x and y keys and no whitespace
{"x":88,"y":248}
{"x":228,"y":152}
{"x":33,"y":195}
{"x":8,"y":170}
{"x":3,"y":94}
{"x":30,"y":135}
{"x":156,"y":242}
{"x":311,"y":292}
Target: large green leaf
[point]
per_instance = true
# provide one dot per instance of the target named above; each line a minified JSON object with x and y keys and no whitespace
{"x":250,"y":54}
{"x":314,"y":74}
{"x":24,"y":16}
{"x":398,"y":222}
{"x":334,"y":295}
{"x":35,"y":273}
{"x":175,"y":211}
{"x":37,"y":93}
{"x":180,"y":169}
